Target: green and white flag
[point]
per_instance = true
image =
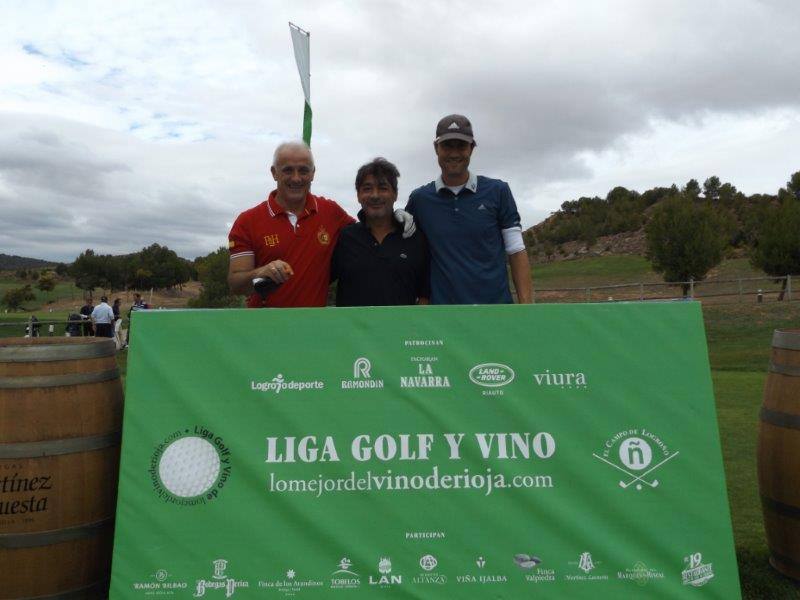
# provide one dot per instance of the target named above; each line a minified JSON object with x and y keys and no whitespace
{"x":301,"y":41}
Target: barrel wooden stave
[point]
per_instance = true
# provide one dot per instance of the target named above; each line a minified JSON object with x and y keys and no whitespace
{"x":68,"y":434}
{"x":779,"y":455}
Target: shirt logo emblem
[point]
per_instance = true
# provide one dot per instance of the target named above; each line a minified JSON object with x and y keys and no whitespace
{"x":322,"y":236}
{"x":271,"y":240}
{"x":231,"y":244}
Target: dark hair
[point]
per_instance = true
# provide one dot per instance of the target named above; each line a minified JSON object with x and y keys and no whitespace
{"x":380,"y":169}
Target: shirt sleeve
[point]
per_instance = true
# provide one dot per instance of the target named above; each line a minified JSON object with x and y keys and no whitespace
{"x":342,"y":218}
{"x":410,"y":205}
{"x":335,"y":260}
{"x":424,"y":278}
{"x":239,"y":242}
{"x":507,"y":216}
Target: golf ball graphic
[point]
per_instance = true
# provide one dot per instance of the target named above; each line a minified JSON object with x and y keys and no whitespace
{"x":189,"y":467}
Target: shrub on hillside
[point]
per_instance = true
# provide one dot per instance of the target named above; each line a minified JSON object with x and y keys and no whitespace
{"x":685,"y":239}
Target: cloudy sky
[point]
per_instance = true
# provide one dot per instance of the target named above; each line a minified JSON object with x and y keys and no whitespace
{"x":128,"y":123}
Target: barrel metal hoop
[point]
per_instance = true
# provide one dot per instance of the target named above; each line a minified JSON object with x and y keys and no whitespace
{"x":98,"y":589}
{"x":784,"y":510}
{"x":55,"y":536}
{"x":787,"y":340}
{"x":789,"y":370}
{"x":56,"y":352}
{"x":780,"y":418}
{"x":58,"y":447}
{"x":45,"y":381}
{"x":787,"y":560}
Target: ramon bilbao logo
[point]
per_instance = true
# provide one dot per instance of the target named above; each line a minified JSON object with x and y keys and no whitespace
{"x":190,"y":466}
{"x":636,"y":453}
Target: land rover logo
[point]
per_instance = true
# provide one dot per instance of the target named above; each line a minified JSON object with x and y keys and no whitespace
{"x":491,"y":375}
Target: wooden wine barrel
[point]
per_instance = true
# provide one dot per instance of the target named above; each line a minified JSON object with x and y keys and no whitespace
{"x":779,"y":453}
{"x":60,"y":423}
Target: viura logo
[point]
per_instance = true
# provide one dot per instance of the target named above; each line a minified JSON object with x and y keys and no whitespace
{"x":574,"y":380}
{"x":491,"y":375}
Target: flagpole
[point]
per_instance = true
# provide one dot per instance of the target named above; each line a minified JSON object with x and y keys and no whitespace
{"x":301,"y":42}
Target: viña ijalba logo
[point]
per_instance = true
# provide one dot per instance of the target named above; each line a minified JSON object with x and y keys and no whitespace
{"x":636,"y":453}
{"x":190,"y":466}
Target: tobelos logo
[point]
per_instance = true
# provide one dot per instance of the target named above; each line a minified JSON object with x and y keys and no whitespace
{"x":491,"y":374}
{"x":630,"y":453}
{"x":190,"y":466}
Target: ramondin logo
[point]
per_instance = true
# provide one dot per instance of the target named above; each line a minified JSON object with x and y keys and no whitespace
{"x":630,"y":453}
{"x":491,"y":375}
{"x":362,"y":378}
{"x":191,"y":466}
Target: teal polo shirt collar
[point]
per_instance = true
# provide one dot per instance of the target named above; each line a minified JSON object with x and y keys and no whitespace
{"x":471,"y":185}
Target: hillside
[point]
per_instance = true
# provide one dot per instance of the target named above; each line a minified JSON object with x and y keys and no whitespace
{"x":616,"y":224}
{"x":9,"y":262}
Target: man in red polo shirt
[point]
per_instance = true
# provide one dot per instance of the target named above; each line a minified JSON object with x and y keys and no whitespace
{"x":288,"y":239}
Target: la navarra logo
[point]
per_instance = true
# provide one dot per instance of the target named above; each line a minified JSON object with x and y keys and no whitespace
{"x":636,"y":453}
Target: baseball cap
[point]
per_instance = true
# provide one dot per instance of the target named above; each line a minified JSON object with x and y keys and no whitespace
{"x":454,"y":127}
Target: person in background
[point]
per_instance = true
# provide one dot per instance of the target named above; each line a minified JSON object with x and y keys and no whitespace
{"x":472,"y":226}
{"x":373,"y":263}
{"x":86,"y":313}
{"x":115,"y":308}
{"x":138,"y":304}
{"x":103,"y":319}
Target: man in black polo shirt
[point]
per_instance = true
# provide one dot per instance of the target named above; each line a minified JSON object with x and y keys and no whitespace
{"x":374,"y":265}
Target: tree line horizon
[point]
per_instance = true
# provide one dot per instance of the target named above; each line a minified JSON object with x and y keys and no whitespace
{"x":688,"y":231}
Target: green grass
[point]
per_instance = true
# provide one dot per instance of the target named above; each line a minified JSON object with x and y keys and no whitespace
{"x":740,"y":335}
{"x":63,"y":290}
{"x":599,"y":270}
{"x":739,"y":342}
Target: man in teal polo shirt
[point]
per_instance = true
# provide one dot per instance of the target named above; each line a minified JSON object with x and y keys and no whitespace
{"x":472,"y":226}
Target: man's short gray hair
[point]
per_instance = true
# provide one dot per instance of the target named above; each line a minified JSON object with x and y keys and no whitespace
{"x":291,"y":145}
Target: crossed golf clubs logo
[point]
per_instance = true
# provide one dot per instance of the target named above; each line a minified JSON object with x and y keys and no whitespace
{"x":635,"y":453}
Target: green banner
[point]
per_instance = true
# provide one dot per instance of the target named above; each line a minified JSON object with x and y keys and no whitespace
{"x":553,"y":451}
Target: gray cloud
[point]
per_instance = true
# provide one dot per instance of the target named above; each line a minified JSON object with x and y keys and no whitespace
{"x":171,"y":138}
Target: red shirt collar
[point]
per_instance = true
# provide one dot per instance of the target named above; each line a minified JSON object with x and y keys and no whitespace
{"x":276,"y":209}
